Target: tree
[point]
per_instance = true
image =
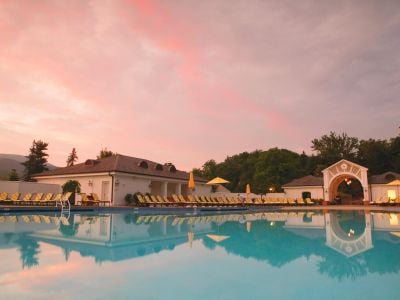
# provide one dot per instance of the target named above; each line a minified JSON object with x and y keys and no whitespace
{"x":334,"y":147}
{"x":105,"y":153}
{"x":36,"y":160}
{"x":374,"y":154}
{"x":13,"y":175}
{"x":72,"y":158}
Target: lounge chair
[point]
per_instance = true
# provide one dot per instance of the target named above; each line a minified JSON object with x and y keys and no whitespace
{"x":27,"y":198}
{"x":101,"y":202}
{"x":87,"y":200}
{"x":300,"y":201}
{"x":14,"y":198}
{"x":47,"y":198}
{"x":37,"y":199}
{"x":142,"y":201}
{"x":309,"y":201}
{"x":3,"y":196}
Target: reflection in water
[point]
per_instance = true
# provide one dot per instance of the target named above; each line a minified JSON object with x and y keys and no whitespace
{"x":347,"y":244}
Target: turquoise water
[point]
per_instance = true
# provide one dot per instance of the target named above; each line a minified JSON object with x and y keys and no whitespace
{"x":268,"y":255}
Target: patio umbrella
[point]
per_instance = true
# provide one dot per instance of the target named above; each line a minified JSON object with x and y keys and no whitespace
{"x":248,"y":190}
{"x":191,"y":184}
{"x":218,"y":180}
{"x":218,"y":238}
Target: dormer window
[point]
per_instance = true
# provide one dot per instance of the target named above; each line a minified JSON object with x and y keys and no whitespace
{"x":172,"y":169}
{"x":143,"y":164}
{"x":91,"y":162}
{"x":159,"y":167}
{"x":390,"y":177}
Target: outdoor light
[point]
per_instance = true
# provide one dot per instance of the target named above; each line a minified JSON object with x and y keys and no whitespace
{"x":90,"y":183}
{"x":116,"y":182}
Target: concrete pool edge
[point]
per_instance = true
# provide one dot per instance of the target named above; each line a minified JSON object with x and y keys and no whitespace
{"x":183,"y":210}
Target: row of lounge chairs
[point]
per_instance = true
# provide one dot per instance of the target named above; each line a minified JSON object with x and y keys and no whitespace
{"x":178,"y":220}
{"x":33,"y":198}
{"x":195,"y":200}
{"x":34,"y":219}
{"x":386,"y":201}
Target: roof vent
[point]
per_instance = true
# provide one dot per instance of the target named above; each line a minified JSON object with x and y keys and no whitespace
{"x":91,"y":162}
{"x":159,"y":167}
{"x":143,"y":164}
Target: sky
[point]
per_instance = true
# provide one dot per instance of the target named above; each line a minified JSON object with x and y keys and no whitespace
{"x":185,"y":81}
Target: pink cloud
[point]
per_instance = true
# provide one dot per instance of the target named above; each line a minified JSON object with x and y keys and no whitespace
{"x":150,"y":78}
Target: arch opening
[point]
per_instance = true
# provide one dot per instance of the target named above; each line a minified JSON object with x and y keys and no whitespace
{"x":346,"y":189}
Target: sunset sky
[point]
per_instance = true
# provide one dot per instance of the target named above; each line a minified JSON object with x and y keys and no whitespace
{"x":188,"y":81}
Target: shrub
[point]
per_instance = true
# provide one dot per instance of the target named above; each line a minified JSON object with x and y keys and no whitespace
{"x":129,"y":198}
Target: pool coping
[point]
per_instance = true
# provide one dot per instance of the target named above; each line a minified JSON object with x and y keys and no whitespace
{"x":180,"y":210}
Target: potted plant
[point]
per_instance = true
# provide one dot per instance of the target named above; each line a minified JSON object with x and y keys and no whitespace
{"x":72,"y":186}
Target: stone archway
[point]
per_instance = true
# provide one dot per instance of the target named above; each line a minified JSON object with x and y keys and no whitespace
{"x":335,"y":174}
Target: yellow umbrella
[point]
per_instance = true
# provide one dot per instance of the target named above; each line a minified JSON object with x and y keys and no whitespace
{"x":248,"y":226}
{"x":217,"y":180}
{"x":190,"y":238}
{"x":191,"y":184}
{"x":248,"y":191}
{"x":218,"y":238}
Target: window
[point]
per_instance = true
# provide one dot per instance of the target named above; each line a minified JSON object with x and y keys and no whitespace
{"x":143,"y":164}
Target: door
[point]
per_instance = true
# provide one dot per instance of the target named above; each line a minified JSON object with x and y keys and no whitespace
{"x":105,"y":191}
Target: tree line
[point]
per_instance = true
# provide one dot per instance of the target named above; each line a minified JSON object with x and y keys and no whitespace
{"x":267,"y":171}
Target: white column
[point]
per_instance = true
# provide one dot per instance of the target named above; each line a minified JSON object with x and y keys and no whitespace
{"x":178,"y":188}
{"x":164,"y":189}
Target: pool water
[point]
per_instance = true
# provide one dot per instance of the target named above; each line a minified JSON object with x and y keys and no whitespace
{"x":263,"y":255}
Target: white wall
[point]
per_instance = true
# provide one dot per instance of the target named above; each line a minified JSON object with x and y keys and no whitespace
{"x":316,"y":192}
{"x":129,"y":184}
{"x":89,"y":183}
{"x":276,"y":195}
{"x":380,"y":191}
{"x":24,"y":187}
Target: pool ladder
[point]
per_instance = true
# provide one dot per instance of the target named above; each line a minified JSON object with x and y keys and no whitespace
{"x":65,"y":205}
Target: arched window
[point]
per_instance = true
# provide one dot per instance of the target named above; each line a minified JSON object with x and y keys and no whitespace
{"x":143,"y":164}
{"x":91,"y":162}
{"x":159,"y":167}
{"x":390,"y":177}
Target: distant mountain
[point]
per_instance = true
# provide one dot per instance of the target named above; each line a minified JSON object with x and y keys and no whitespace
{"x":13,"y":161}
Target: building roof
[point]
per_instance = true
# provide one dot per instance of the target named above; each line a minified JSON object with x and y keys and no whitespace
{"x":383,"y":178}
{"x":123,"y":164}
{"x":308,"y":180}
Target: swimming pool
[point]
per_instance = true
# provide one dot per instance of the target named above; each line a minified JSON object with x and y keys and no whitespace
{"x":265,"y":255}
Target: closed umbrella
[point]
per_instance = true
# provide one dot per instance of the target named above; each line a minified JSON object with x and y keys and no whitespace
{"x":191,"y":183}
{"x":248,"y":190}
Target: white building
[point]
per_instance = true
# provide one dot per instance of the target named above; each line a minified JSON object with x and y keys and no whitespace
{"x":326,"y":187}
{"x":115,"y":176}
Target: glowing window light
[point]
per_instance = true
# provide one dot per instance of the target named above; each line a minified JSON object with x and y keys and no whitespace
{"x":391,"y":194}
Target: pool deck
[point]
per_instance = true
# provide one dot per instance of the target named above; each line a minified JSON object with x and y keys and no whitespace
{"x":190,"y":210}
